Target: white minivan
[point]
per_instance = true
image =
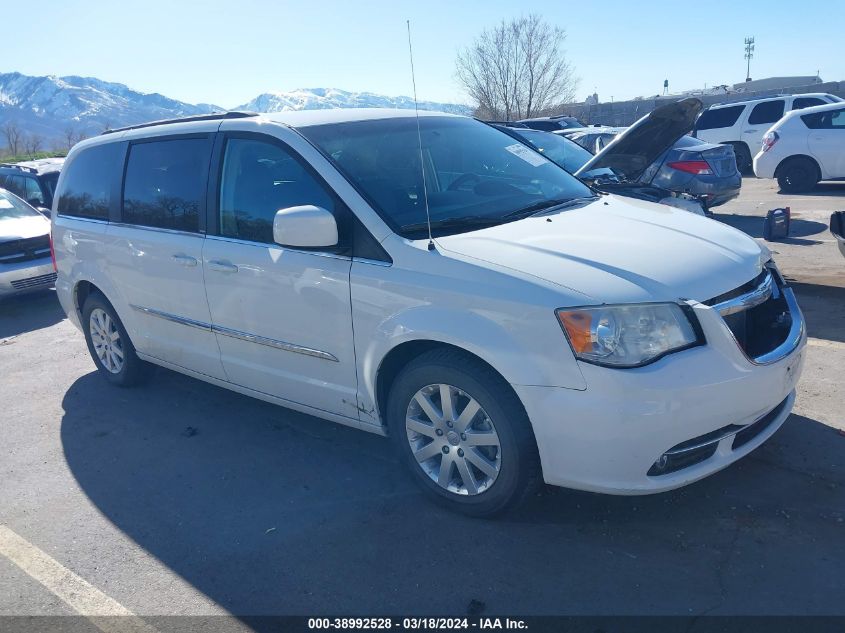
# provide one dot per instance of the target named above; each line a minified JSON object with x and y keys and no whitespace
{"x":532,"y":330}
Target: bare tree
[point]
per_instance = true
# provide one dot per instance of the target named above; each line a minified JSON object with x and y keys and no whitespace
{"x":71,"y":137}
{"x":14,"y":137}
{"x":33,"y":144}
{"x":518,"y":69}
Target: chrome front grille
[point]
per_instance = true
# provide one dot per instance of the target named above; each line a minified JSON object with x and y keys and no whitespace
{"x":33,"y":282}
{"x":763,"y":316}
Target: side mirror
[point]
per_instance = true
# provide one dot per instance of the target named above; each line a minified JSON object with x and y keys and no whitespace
{"x":305,"y":226}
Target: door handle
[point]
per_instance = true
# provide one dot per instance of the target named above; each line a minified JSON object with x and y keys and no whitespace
{"x":749,"y":131}
{"x":222,"y":266}
{"x":185,"y":260}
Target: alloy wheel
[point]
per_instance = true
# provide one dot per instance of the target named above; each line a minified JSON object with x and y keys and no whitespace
{"x":106,"y":340}
{"x":453,"y":439}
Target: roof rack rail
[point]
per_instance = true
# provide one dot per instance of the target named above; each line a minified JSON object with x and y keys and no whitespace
{"x":31,"y":170}
{"x":232,"y":114}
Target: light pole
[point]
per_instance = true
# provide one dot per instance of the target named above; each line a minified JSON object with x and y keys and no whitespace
{"x":749,"y":53}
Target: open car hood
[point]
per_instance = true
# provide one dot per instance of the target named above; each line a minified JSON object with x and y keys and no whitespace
{"x":641,"y":144}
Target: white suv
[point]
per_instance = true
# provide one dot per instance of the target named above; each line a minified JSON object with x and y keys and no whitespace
{"x":804,"y":147}
{"x":743,"y":123}
{"x":542,"y":332}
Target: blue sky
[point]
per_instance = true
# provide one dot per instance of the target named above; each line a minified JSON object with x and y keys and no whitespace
{"x":228,"y":52}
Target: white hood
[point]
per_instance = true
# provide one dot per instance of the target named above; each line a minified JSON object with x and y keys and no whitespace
{"x":35,"y":225}
{"x":619,"y":250}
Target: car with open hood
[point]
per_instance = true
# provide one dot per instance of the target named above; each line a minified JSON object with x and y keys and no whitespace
{"x":657,"y":151}
{"x":431,"y":279}
{"x":572,"y":157}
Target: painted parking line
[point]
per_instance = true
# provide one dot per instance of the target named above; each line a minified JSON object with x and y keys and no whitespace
{"x":105,"y":613}
{"x":823,"y":342}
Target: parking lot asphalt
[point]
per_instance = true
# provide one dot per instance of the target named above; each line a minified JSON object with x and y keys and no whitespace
{"x":182,"y":498}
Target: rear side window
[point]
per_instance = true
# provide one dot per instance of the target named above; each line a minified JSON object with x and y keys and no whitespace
{"x":86,"y":187}
{"x":806,"y":102}
{"x":766,"y":112}
{"x":258,"y":179}
{"x":715,"y":118}
{"x":830,"y":120}
{"x":165,"y":183}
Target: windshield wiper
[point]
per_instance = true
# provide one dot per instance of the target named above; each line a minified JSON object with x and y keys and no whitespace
{"x":454,"y":223}
{"x":544,"y":205}
{"x":475,"y":221}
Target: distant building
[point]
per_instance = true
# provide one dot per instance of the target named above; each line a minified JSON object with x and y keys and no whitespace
{"x":592,"y":99}
{"x":777,"y":83}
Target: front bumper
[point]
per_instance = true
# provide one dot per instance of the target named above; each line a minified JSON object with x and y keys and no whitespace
{"x":608,"y":437}
{"x":35,"y":274}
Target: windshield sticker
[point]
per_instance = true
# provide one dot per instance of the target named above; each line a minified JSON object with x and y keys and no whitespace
{"x":529,"y":156}
{"x":5,"y":204}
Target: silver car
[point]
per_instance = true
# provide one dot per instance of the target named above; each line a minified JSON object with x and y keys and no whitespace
{"x":25,"y":260}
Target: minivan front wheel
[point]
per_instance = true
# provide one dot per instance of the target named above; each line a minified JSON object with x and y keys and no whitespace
{"x":109,"y":344}
{"x":463,"y":433}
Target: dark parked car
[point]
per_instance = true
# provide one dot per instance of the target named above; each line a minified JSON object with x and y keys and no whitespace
{"x":657,"y":151}
{"x":551,"y":123}
{"x":837,"y":227}
{"x":33,"y":180}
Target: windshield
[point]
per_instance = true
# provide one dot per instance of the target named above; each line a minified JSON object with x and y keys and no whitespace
{"x":560,"y":149}
{"x":474,"y":174}
{"x":12,"y":208}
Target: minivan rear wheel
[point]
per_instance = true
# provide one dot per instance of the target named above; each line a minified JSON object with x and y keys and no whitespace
{"x":109,"y":344}
{"x":463,"y":434}
{"x":797,"y":175}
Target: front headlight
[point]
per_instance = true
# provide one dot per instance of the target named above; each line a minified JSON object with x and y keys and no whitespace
{"x":629,"y":335}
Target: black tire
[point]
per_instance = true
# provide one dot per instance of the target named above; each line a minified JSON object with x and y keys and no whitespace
{"x":519,"y":472}
{"x":744,"y":161}
{"x":797,"y":175}
{"x":133,"y":370}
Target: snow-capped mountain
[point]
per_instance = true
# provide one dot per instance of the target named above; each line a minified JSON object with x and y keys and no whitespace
{"x":323,"y":98}
{"x":48,"y":106}
{"x":51,"y":107}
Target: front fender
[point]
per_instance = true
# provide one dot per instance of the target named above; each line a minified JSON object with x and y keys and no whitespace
{"x":517,"y":348}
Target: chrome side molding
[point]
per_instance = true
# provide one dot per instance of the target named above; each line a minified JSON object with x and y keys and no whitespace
{"x":167,"y":316}
{"x":270,"y":342}
{"x":237,"y":334}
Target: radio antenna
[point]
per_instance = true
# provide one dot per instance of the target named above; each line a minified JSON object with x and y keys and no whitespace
{"x":419,"y":139}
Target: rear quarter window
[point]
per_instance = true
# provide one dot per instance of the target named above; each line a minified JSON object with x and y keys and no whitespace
{"x":766,"y":112}
{"x":715,"y":118}
{"x":86,"y":187}
{"x":806,"y":102}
